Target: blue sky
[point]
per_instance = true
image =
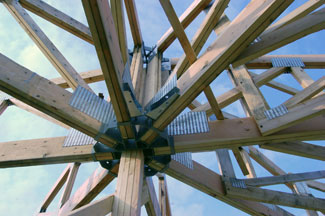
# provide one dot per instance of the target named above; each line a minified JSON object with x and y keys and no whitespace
{"x":23,"y":189}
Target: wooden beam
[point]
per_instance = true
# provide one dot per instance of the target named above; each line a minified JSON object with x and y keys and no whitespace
{"x":118,"y":17}
{"x":210,"y":183}
{"x":186,"y":18}
{"x":163,"y":196}
{"x":225,"y":164}
{"x":316,"y":185}
{"x":298,"y":148}
{"x":302,"y":189}
{"x":274,"y":197}
{"x":253,"y":97}
{"x":106,"y":42}
{"x":127,"y":199}
{"x":178,"y":30}
{"x":281,"y":179}
{"x":45,"y":45}
{"x":55,"y":189}
{"x":152,"y":206}
{"x":276,"y":85}
{"x":232,"y":133}
{"x":152,"y":81}
{"x":213,"y":103}
{"x":136,"y":70}
{"x":74,"y":167}
{"x":294,"y":15}
{"x":4,"y":104}
{"x":58,"y":18}
{"x":45,"y":151}
{"x":34,"y":111}
{"x":299,"y":113}
{"x":301,"y":76}
{"x":307,"y":25}
{"x":47,"y":97}
{"x":97,"y":182}
{"x":134,"y":22}
{"x":310,"y":61}
{"x":99,"y":207}
{"x":202,"y":34}
{"x":214,"y":61}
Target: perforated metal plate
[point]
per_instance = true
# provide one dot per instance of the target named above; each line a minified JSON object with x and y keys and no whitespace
{"x":276,"y":112}
{"x":172,"y":83}
{"x":92,"y":105}
{"x":287,"y":62}
{"x":189,"y":123}
{"x":77,"y":138}
{"x":184,"y":158}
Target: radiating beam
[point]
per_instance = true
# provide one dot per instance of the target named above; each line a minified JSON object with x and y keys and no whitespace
{"x":58,"y":18}
{"x":45,"y":151}
{"x":127,"y":199}
{"x":231,"y":133}
{"x":118,"y":17}
{"x":307,"y":25}
{"x":214,"y":61}
{"x":47,"y":97}
{"x":104,"y":34}
{"x":210,"y":183}
{"x":45,"y":45}
{"x":294,"y":15}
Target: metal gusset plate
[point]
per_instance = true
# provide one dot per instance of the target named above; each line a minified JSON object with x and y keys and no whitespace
{"x":287,"y":62}
{"x":92,"y":105}
{"x":238,"y":183}
{"x":77,"y":138}
{"x":276,"y":112}
{"x":172,"y":83}
{"x":184,"y":158}
{"x":189,"y":123}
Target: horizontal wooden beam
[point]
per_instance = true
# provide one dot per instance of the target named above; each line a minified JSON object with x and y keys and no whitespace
{"x":298,"y":148}
{"x":231,"y":133}
{"x":281,"y":179}
{"x":310,"y":61}
{"x":45,"y":151}
{"x":316,"y":185}
{"x":307,"y":25}
{"x":274,"y":197}
{"x":58,"y":18}
{"x":47,"y":97}
{"x":209,"y":182}
{"x":186,"y":18}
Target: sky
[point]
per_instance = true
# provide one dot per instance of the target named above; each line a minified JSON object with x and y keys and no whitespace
{"x":22,"y":190}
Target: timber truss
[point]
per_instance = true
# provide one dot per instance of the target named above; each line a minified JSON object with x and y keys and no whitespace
{"x":142,"y":130}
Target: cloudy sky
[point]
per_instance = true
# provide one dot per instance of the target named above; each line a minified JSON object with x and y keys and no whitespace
{"x":23,"y":189}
